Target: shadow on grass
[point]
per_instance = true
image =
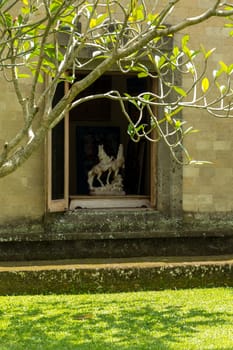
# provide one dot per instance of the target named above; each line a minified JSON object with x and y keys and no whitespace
{"x":111,"y":326}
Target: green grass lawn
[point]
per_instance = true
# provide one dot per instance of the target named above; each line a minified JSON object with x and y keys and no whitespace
{"x":185,"y":319}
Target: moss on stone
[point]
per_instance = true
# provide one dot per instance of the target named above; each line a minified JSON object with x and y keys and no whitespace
{"x":114,"y":278}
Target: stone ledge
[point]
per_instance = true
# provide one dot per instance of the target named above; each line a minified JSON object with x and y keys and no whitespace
{"x":115,"y":275}
{"x":115,"y":248}
{"x":73,"y":236}
{"x":117,"y":224}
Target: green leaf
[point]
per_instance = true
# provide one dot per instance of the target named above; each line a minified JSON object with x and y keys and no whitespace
{"x":176,"y":51}
{"x":179,"y":90}
{"x":93,"y":22}
{"x":137,"y":14}
{"x":40,"y":78}
{"x":228,"y":7}
{"x":131,"y":130}
{"x":228,"y":25}
{"x":185,"y":48}
{"x":205,"y":85}
{"x":21,"y":75}
{"x":141,"y":127}
{"x":152,"y":18}
{"x":142,"y":74}
{"x":89,"y":8}
{"x":54,"y":6}
{"x":230,"y":69}
{"x":25,"y":10}
{"x":8,"y":19}
{"x":101,"y":18}
{"x":224,"y":67}
{"x":209,"y":53}
{"x":140,"y":13}
{"x":184,"y":41}
{"x":146,"y":97}
{"x":178,"y":124}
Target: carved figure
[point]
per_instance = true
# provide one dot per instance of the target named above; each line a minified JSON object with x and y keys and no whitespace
{"x":117,"y":163}
{"x":111,"y":166}
{"x":100,"y":168}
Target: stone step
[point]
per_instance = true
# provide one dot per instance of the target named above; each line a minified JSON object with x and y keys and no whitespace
{"x":115,"y":275}
{"x":72,"y":247}
{"x":115,"y":233}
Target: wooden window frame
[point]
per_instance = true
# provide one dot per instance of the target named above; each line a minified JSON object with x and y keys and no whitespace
{"x":71,"y":202}
{"x":58,"y":205}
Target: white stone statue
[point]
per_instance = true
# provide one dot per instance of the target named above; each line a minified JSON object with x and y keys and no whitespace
{"x":111,"y":166}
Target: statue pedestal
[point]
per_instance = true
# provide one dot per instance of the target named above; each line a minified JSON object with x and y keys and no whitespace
{"x":99,"y":191}
{"x":115,"y":188}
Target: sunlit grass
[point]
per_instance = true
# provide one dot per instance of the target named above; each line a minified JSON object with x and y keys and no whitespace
{"x":185,"y":319}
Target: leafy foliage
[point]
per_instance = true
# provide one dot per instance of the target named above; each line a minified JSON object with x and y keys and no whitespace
{"x":48,"y":41}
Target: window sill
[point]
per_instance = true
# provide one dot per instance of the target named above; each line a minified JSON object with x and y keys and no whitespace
{"x":103,"y":202}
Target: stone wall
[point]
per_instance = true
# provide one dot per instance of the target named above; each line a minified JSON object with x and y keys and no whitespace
{"x":207,"y":188}
{"x":22,"y":192}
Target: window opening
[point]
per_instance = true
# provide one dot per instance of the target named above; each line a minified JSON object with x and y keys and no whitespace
{"x":58,"y":151}
{"x":101,"y":122}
